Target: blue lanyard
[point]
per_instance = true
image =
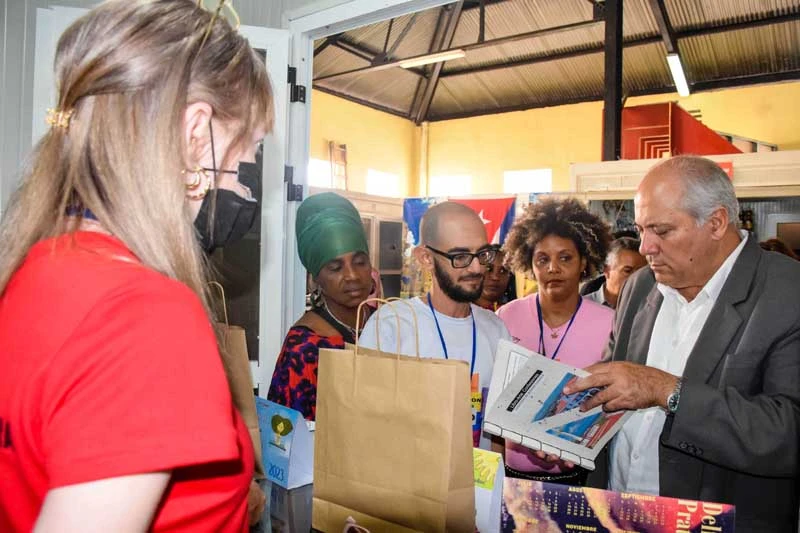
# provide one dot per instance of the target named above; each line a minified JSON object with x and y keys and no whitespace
{"x":542,"y":349}
{"x":444,"y":344}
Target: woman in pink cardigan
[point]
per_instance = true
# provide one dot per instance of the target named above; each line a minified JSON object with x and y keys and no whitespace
{"x":559,"y":243}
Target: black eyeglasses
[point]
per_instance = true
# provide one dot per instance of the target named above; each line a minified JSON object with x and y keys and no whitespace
{"x":464,"y":259}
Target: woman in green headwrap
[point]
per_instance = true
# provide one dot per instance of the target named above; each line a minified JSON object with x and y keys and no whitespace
{"x":333,"y":247}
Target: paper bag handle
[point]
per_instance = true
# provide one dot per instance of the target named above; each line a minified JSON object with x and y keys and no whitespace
{"x":390,"y":303}
{"x":350,"y":526}
{"x":218,"y":286}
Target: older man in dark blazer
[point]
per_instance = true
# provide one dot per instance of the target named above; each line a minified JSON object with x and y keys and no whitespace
{"x":706,"y":349}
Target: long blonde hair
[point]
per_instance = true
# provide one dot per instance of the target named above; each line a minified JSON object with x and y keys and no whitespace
{"x":128,"y":69}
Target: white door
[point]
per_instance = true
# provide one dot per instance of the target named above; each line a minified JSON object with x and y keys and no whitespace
{"x":274,"y":207}
{"x":51,"y":23}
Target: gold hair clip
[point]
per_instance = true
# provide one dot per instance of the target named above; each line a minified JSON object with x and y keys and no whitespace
{"x":59,"y":118}
{"x":222,"y":4}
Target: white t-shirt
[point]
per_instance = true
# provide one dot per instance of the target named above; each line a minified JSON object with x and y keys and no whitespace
{"x":457,"y":333}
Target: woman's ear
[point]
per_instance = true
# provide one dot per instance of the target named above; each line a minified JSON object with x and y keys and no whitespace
{"x":196,"y":133}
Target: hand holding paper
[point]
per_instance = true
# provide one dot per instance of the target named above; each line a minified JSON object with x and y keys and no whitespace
{"x":625,"y":386}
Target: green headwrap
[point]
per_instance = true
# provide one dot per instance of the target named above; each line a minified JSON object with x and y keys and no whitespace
{"x":328,"y":226}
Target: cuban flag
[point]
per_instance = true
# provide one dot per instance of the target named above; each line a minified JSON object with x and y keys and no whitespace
{"x":497,"y":214}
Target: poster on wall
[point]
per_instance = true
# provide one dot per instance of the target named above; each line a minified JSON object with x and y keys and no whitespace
{"x":497,"y":215}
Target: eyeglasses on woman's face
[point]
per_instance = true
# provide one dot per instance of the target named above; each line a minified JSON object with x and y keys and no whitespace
{"x":485,"y":256}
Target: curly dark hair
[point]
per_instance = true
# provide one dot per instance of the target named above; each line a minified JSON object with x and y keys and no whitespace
{"x":568,"y":219}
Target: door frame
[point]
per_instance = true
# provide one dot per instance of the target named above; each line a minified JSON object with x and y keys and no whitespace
{"x":307,"y":24}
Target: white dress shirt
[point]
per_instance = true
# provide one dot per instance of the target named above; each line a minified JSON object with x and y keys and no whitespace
{"x":634,"y":451}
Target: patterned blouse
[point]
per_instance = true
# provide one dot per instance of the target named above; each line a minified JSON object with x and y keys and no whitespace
{"x":294,"y":382}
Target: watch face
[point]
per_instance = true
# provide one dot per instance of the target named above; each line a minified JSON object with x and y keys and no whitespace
{"x":672,"y":402}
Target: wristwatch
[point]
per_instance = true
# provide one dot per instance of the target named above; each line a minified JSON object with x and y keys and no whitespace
{"x":674,"y":398}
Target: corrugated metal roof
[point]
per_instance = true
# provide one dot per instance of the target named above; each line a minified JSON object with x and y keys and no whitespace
{"x":691,"y":13}
{"x":415,"y":42}
{"x":333,"y":60}
{"x":742,"y":53}
{"x":393,"y":89}
{"x":521,"y":73}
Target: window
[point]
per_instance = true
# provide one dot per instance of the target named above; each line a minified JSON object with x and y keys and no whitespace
{"x":534,"y":180}
{"x":383,"y":183}
{"x":452,"y":185}
{"x":319,"y":173}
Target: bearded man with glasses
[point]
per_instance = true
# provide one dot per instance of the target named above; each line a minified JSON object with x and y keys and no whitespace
{"x":455,"y":250}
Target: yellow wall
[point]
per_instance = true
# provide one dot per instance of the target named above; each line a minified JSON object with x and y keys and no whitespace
{"x":554,"y":137}
{"x":485,"y":147}
{"x":374,"y":140}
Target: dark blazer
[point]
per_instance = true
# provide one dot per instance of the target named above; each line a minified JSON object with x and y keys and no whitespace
{"x":736,"y":435}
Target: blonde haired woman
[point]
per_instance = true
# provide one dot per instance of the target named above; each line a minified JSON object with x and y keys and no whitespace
{"x":115,"y":414}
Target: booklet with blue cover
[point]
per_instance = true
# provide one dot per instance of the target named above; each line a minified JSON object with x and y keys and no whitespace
{"x":527,"y":405}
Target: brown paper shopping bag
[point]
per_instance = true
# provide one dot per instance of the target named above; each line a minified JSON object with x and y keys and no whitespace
{"x":237,"y":368}
{"x":393,"y":440}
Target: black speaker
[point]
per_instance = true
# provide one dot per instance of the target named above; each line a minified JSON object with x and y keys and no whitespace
{"x":390,"y":245}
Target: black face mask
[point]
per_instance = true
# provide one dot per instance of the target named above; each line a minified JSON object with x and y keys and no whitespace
{"x":233,"y":218}
{"x":233,"y":215}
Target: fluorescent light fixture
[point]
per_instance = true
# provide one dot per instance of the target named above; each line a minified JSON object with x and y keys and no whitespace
{"x":675,"y":67}
{"x":431,"y":58}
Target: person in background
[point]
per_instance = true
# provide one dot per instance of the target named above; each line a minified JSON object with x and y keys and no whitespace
{"x":777,"y":245}
{"x":592,"y":285}
{"x":559,"y":242}
{"x":455,"y":250}
{"x":623,"y":259}
{"x":496,"y":283}
{"x":333,"y":248}
{"x":115,"y":412}
{"x":705,"y":350}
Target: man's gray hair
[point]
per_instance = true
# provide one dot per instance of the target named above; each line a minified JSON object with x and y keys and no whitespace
{"x":707,"y":187}
{"x":623,"y":243}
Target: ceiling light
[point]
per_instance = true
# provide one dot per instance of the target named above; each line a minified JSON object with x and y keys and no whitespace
{"x":678,"y":76}
{"x":431,"y":58}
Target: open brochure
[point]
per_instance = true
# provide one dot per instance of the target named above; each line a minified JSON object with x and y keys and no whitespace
{"x":526,"y":405}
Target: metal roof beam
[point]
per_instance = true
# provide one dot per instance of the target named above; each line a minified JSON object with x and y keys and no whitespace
{"x":386,"y":57}
{"x":326,"y":43}
{"x":433,"y":81}
{"x":353,"y":49}
{"x":664,"y":27}
{"x":475,"y":46}
{"x":596,"y":48}
{"x":422,"y":82}
{"x":388,"y":35}
{"x":469,"y":5}
{"x":482,"y":22}
{"x":364,"y":53}
{"x":612,"y":100}
{"x":738,"y":81}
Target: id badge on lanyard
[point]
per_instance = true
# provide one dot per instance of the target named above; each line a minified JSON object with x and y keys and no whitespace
{"x":478,"y":399}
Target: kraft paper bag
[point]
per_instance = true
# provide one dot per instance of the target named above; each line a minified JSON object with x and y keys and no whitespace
{"x":236,"y":361}
{"x":393,"y":440}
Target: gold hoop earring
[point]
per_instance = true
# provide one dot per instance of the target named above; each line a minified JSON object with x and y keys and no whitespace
{"x":199,"y":173}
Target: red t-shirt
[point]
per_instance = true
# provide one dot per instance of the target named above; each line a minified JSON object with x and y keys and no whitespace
{"x":108,"y":368}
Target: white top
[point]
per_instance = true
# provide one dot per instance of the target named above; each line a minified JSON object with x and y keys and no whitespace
{"x":598,"y":296}
{"x":457,"y":334}
{"x":634,"y":451}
